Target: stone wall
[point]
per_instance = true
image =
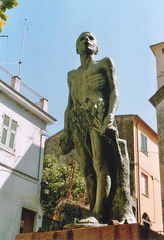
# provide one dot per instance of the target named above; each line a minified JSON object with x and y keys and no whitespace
{"x":51,"y":144}
{"x":125,"y":231}
{"x":52,"y":147}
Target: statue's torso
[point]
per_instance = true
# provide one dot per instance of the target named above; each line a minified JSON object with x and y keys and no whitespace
{"x":89,"y":91}
{"x":91,"y":83}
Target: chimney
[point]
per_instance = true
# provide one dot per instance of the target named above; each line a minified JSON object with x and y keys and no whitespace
{"x":44,"y":104}
{"x":15,"y":83}
{"x":158,"y":50}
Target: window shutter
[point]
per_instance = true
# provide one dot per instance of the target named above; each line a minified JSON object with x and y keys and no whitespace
{"x":9,"y":128}
{"x":4,"y":136}
{"x":14,"y":125}
{"x":11,"y":142}
{"x":6,"y":121}
{"x":144,"y":143}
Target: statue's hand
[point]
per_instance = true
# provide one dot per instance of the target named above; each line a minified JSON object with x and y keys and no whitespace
{"x":65,"y":144}
{"x":109,"y":123}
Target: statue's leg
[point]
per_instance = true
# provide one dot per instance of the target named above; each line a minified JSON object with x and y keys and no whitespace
{"x":86,"y":164}
{"x":104,"y":165}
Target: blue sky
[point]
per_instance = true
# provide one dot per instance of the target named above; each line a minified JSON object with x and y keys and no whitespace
{"x":124,"y":30}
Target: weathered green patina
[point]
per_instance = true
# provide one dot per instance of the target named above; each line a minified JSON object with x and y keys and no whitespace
{"x":90,"y":128}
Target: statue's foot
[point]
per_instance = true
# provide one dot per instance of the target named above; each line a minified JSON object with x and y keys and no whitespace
{"x":86,"y":222}
{"x":92,"y":220}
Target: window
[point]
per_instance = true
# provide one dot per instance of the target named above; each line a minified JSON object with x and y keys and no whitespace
{"x":9,"y":128}
{"x":144,"y":184}
{"x":146,"y":220}
{"x":144,"y":143}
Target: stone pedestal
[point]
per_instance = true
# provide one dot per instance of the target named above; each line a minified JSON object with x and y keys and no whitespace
{"x":115,"y":232}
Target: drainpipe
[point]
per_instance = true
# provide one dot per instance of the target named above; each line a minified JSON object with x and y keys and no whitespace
{"x":139,"y":188}
{"x":153,"y":179}
{"x":40,"y":153}
{"x":39,"y":163}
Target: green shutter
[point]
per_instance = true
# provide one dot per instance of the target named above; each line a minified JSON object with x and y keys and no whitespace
{"x":11,"y":143}
{"x":9,"y":128}
{"x":144,"y":143}
{"x":6,"y":121}
{"x":13,"y":125}
{"x":4,"y":136}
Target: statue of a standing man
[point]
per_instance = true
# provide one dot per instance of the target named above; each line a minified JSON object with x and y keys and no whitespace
{"x":90,"y":125}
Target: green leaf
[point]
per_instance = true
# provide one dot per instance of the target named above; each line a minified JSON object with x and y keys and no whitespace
{"x":53,"y":176}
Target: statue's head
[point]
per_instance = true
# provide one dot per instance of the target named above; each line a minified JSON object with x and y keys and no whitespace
{"x":86,"y":44}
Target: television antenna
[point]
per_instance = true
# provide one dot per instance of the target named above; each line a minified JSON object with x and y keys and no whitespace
{"x":20,"y":62}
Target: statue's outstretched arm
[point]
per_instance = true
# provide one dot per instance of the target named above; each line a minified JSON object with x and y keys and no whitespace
{"x":66,"y":142}
{"x":113,"y":96}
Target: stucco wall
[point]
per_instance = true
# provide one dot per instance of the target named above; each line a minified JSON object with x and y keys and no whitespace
{"x":148,"y":165}
{"x":28,"y":138}
{"x":20,"y":187}
{"x":17,"y":192}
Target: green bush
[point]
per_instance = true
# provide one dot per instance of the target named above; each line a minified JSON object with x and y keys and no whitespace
{"x":53,"y":177}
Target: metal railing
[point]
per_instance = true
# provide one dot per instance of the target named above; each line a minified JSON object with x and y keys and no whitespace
{"x":6,"y":76}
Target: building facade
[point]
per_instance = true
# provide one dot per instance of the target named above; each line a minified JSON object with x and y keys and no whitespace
{"x":158,"y":102}
{"x":145,"y":186}
{"x":142,"y":143}
{"x":22,"y":136}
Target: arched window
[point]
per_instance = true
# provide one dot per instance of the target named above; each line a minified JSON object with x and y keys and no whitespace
{"x":146,"y":220}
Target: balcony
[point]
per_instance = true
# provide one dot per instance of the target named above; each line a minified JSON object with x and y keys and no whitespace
{"x":18,"y":85}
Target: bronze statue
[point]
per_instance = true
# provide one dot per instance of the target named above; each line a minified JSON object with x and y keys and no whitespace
{"x":90,"y":128}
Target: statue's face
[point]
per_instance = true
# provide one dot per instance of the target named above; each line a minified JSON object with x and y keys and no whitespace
{"x":86,"y":44}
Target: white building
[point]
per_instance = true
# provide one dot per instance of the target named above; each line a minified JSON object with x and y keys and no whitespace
{"x":22,"y":137}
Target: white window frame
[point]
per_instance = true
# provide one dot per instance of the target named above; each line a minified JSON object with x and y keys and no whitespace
{"x":144,"y":184}
{"x":10,"y":132}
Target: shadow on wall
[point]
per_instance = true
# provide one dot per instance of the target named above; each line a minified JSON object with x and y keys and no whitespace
{"x":19,"y":187}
